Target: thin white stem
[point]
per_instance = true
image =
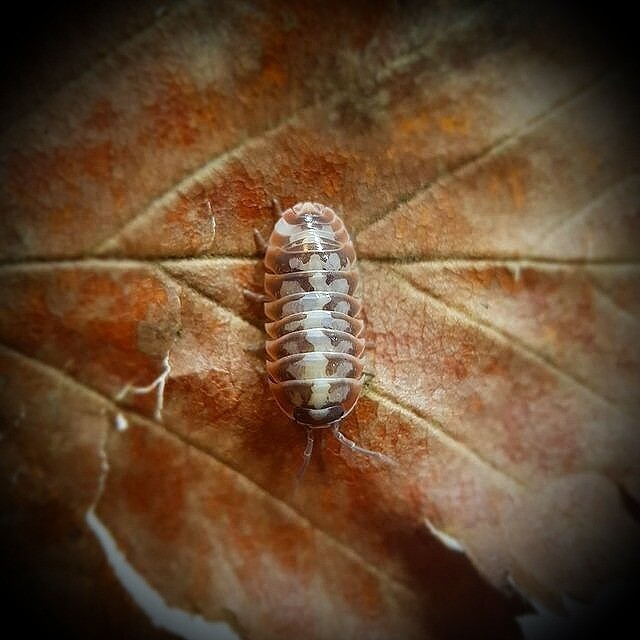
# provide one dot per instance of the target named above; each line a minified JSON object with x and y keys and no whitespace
{"x":158,"y":384}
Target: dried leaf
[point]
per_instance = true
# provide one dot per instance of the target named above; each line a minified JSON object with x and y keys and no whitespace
{"x":486,"y":161}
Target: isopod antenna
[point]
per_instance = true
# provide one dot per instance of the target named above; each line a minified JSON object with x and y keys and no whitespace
{"x":352,"y":446}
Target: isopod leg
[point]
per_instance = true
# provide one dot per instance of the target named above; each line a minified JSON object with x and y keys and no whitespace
{"x":307,"y":454}
{"x":255,"y":297}
{"x":277,"y":209}
{"x":350,"y":444}
{"x":256,"y":350}
{"x":261,"y":243}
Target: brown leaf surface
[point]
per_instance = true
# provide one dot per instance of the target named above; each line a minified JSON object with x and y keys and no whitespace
{"x":486,"y":160}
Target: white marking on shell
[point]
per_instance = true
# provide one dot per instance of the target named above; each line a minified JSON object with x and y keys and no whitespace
{"x":308,"y":302}
{"x":319,"y":394}
{"x":344,"y":368}
{"x":344,"y":346}
{"x":314,"y":365}
{"x":308,"y":236}
{"x":315,"y":263}
{"x":291,"y":346}
{"x":296,"y":325}
{"x":333,"y":262}
{"x":326,"y":320}
{"x":290,"y":286}
{"x":341,"y":285}
{"x":310,"y":366}
{"x":318,"y":282}
{"x":285,"y":229}
{"x":340,"y":324}
{"x":316,"y":301}
{"x":343,"y":307}
{"x":338,"y":393}
{"x":319,"y":339}
{"x":313,"y":320}
{"x":313,"y":235}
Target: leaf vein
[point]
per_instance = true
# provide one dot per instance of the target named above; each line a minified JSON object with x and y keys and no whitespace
{"x":608,"y":298}
{"x":287,"y":509}
{"x":436,"y":262}
{"x":192,"y":177}
{"x":486,"y":152}
{"x":500,"y":336}
{"x":435,"y":426}
{"x":199,"y":173}
{"x":203,"y":296}
{"x":582,"y":212}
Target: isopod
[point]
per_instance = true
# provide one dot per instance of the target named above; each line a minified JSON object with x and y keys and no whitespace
{"x":314,"y":325}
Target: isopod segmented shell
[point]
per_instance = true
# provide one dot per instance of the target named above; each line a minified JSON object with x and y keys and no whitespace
{"x":314,"y":328}
{"x":314,"y":325}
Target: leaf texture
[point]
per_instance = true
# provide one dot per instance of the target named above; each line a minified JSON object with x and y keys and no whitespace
{"x":485,"y":159}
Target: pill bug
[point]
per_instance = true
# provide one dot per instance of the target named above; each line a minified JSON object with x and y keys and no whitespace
{"x":314,"y":326}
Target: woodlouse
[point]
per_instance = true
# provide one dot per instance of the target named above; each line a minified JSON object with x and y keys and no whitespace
{"x":314,"y":324}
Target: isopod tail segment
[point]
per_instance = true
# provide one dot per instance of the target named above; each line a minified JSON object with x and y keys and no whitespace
{"x":315,"y":325}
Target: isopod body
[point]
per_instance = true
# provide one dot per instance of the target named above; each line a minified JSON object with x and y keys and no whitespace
{"x":314,"y":324}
